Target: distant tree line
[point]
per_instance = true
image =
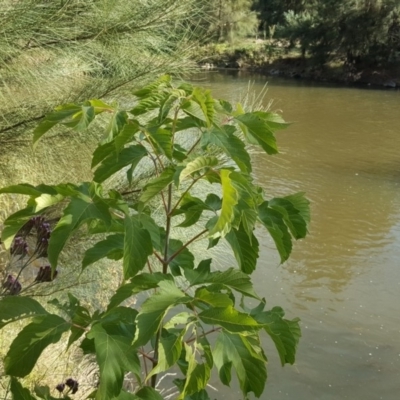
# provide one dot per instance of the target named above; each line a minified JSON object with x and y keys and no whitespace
{"x":358,"y":31}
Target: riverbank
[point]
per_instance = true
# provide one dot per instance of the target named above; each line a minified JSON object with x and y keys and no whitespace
{"x":275,"y":59}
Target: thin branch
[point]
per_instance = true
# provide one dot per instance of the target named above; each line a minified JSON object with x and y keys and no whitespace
{"x":144,"y":360}
{"x":26,"y":121}
{"x":149,"y":267}
{"x":154,"y":149}
{"x":130,"y":192}
{"x":186,"y":191}
{"x":167,"y":230}
{"x":179,"y":251}
{"x":158,"y":257}
{"x":195,"y":144}
{"x":62,"y":289}
{"x":86,"y":329}
{"x":157,"y":173}
{"x":203,"y":335}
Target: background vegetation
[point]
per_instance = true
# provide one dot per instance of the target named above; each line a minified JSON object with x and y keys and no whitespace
{"x":353,"y":34}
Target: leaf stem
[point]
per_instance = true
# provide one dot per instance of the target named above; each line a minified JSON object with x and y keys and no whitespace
{"x":145,"y":355}
{"x":158,"y":257}
{"x":194,"y":145}
{"x":141,"y":351}
{"x":165,"y":263}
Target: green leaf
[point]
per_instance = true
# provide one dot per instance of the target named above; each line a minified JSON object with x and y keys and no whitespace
{"x":81,"y":120}
{"x":179,"y":153}
{"x":169,"y":350}
{"x":225,"y":139}
{"x":157,"y":185}
{"x":249,"y":198}
{"x":152,"y":100}
{"x":284,"y":333}
{"x":257,"y":131}
{"x":115,"y":355}
{"x":230,"y":319}
{"x":213,"y":202}
{"x":19,"y":392}
{"x":137,"y":247}
{"x":154,"y":230}
{"x":126,"y":135}
{"x":194,"y":109}
{"x":245,"y":354}
{"x":229,"y":200}
{"x":148,"y":393}
{"x":123,"y":395}
{"x":115,"y":162}
{"x":101,"y":152}
{"x":116,"y":124}
{"x":44,"y":393}
{"x":15,"y":308}
{"x":160,"y":83}
{"x":244,"y":248}
{"x":31,"y":341}
{"x":75,"y":214}
{"x":104,"y":248}
{"x":192,"y":207}
{"x":138,"y":284}
{"x":46,"y":200}
{"x":154,"y":309}
{"x":23,"y":188}
{"x":273,"y":120}
{"x":291,"y":216}
{"x":184,"y":260}
{"x":61,"y":113}
{"x":275,"y":224}
{"x":198,"y":164}
{"x":80,"y":320}
{"x":212,"y":298}
{"x":168,"y":103}
{"x":231,"y":278}
{"x":301,"y":203}
{"x":100,"y":106}
{"x":198,"y":374}
{"x":204,"y":99}
{"x":182,"y":318}
{"x":162,"y":139}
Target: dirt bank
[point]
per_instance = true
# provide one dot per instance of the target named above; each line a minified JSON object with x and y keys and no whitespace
{"x":292,"y":66}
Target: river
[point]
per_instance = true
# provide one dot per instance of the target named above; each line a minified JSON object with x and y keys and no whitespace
{"x":343,"y":280}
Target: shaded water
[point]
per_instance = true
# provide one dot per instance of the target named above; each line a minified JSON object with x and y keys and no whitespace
{"x":343,"y":280}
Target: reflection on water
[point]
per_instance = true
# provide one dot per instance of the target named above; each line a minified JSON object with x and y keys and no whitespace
{"x":343,"y":150}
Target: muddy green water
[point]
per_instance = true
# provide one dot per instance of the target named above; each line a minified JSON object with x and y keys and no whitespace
{"x":343,"y":280}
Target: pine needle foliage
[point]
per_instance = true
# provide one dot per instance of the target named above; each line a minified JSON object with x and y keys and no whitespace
{"x":64,"y":51}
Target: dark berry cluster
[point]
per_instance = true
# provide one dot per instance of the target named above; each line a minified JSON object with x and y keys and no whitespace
{"x":19,"y":247}
{"x":71,"y":383}
{"x":45,"y":274}
{"x":12,"y":285}
{"x":43,"y":231}
{"x":41,"y":228}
